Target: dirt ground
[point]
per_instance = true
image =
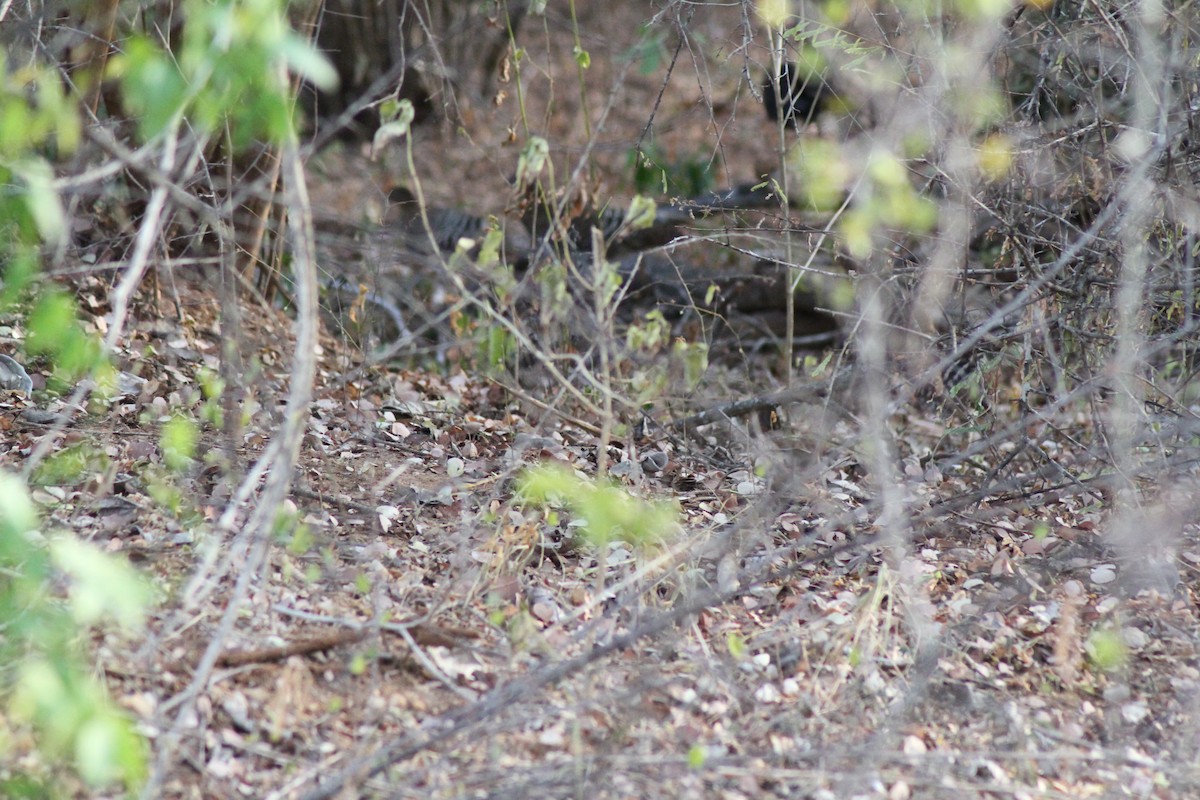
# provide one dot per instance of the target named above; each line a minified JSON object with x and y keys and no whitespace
{"x":420,"y":631}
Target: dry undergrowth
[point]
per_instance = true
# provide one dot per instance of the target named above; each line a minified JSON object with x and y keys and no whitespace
{"x":420,"y":631}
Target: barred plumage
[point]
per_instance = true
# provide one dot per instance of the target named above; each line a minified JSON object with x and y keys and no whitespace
{"x":575,"y":232}
{"x":609,"y":220}
{"x":449,"y":226}
{"x":961,"y":370}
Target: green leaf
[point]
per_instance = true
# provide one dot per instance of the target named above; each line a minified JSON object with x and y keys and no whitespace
{"x":152,"y":85}
{"x":581,"y":57}
{"x":178,"y":442}
{"x":736,"y":645}
{"x":108,"y":750}
{"x":49,"y":323}
{"x":65,"y":466}
{"x":53,"y":699}
{"x":1106,"y":650}
{"x":608,"y":511}
{"x":490,"y":249}
{"x":308,"y":62}
{"x":855,"y":228}
{"x":301,"y":541}
{"x":711,"y":293}
{"x":642,"y":212}
{"x":532,"y":160}
{"x":823,"y":172}
{"x":647,"y":52}
{"x":886,"y":170}
{"x":59,"y":110}
{"x":42,"y":201}
{"x":54,"y":331}
{"x":17,"y":512}
{"x":995,"y":157}
{"x":397,"y":125}
{"x":773,"y":13}
{"x":694,"y":356}
{"x":212,"y":385}
{"x":103,"y":586}
{"x":15,"y":125}
{"x":500,"y":346}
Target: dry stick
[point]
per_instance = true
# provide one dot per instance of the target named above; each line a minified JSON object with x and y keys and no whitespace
{"x":200,"y":586}
{"x":135,"y":160}
{"x":124,"y":159}
{"x":720,"y":124}
{"x":432,"y":668}
{"x":315,"y":644}
{"x":547,"y":407}
{"x":366,"y":100}
{"x":98,"y":48}
{"x":1015,"y":429}
{"x":604,"y":388}
{"x":897,"y":528}
{"x":231,"y":365}
{"x":579,"y":71}
{"x":557,"y":213}
{"x":895,"y":518}
{"x":776,"y":36}
{"x":500,"y":319}
{"x":277,"y":463}
{"x":605,"y":321}
{"x":463,"y":719}
{"x":671,"y":558}
{"x":452,"y":723}
{"x":1110,"y":215}
{"x":260,"y":210}
{"x":415,"y":637}
{"x":637,"y":146}
{"x":342,"y":502}
{"x":385,"y":352}
{"x":422,"y":632}
{"x":738,"y":408}
{"x":139,"y":262}
{"x":1128,"y":534}
{"x":460,"y":720}
{"x":1068,"y":488}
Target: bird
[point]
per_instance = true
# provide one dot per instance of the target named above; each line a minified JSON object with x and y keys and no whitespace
{"x":621,"y":234}
{"x":452,"y":230}
{"x":802,"y":92}
{"x":361,"y":312}
{"x":572,"y":226}
{"x":609,"y":220}
{"x":448,"y":227}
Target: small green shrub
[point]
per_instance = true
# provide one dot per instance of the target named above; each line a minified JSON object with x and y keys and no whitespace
{"x":47,"y":684}
{"x":611,"y":512}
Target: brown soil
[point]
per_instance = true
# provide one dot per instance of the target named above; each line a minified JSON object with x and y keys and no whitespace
{"x":422,"y":632}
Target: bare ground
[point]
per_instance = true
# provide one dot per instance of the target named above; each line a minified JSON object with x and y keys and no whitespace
{"x":419,"y":631}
